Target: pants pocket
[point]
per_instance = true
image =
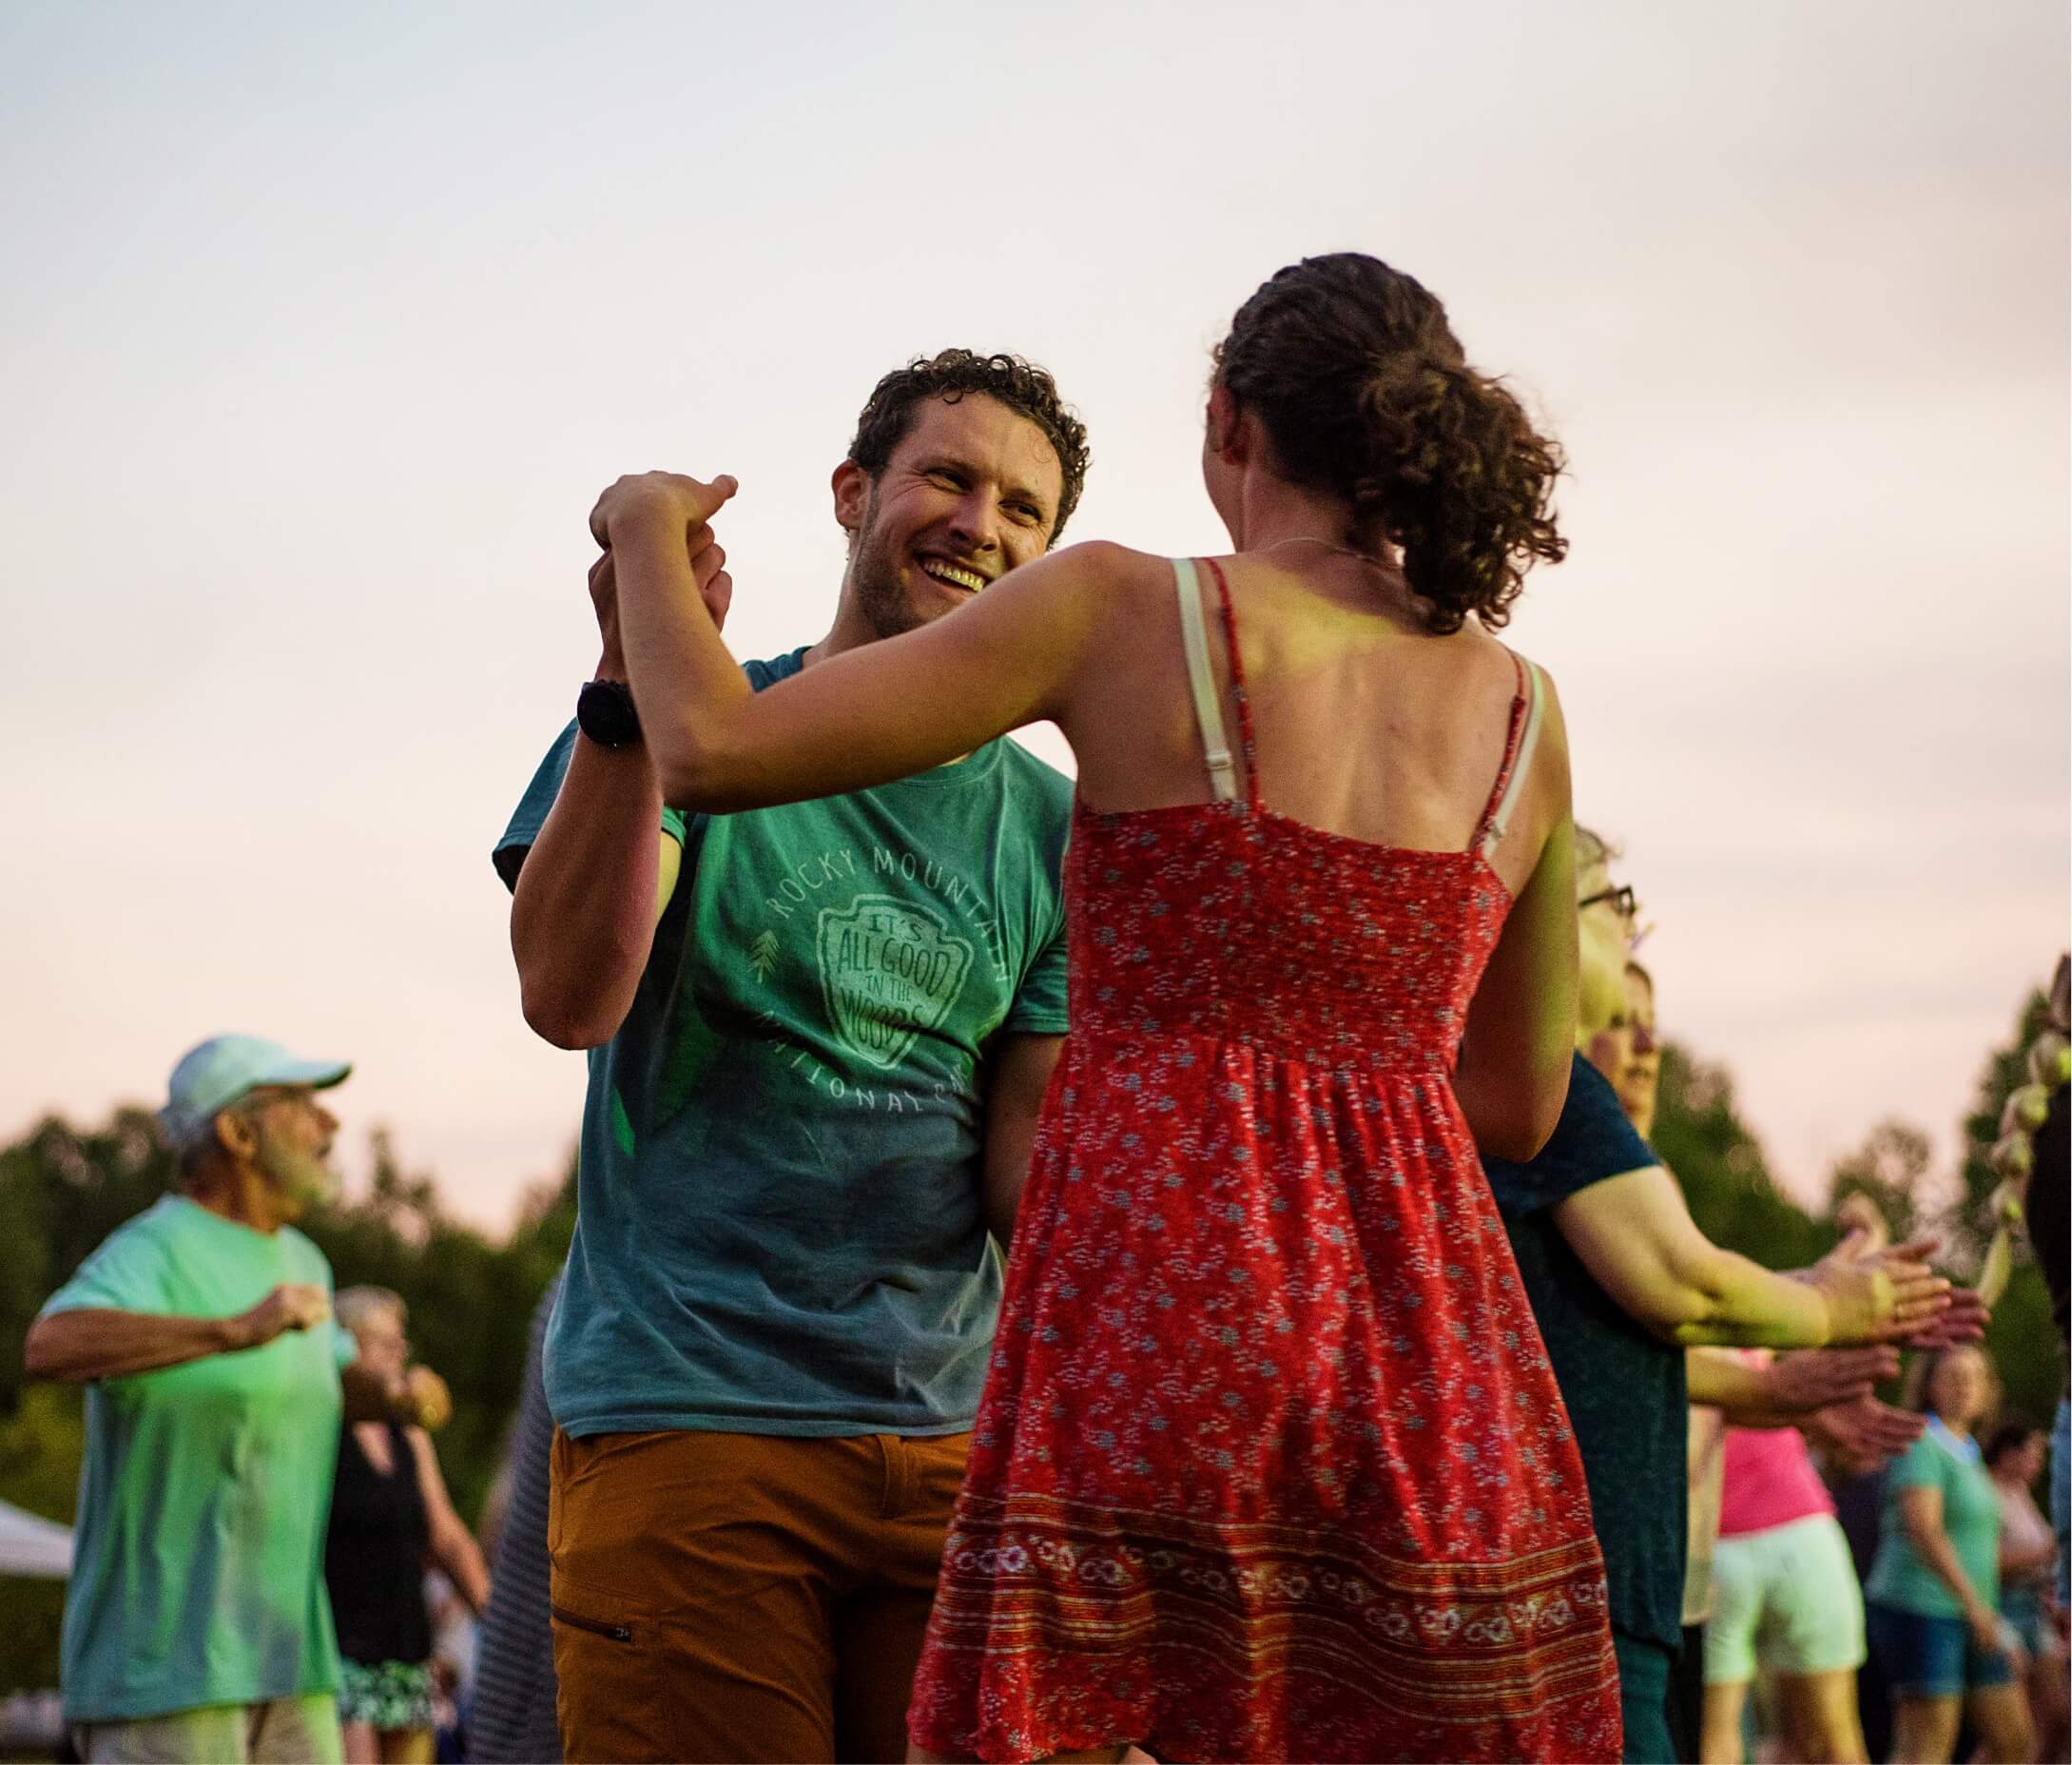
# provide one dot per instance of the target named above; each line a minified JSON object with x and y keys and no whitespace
{"x":596,"y":1626}
{"x":612,"y":1702}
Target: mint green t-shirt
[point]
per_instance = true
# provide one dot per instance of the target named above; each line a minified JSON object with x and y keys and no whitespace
{"x":778,"y":1224}
{"x":1939,"y":1460}
{"x":197,"y":1554}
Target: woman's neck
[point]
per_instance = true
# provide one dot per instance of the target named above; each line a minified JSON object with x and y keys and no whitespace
{"x":1270,"y":512}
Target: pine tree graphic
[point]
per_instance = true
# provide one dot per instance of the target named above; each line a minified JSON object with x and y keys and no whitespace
{"x":762,"y":954}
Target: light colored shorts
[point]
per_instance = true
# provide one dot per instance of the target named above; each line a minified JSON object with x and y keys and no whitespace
{"x":282,"y":1731}
{"x":1785,"y":1598}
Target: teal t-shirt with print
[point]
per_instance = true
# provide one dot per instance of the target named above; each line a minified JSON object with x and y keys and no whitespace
{"x":1899,"y":1576}
{"x":197,"y":1554}
{"x":778,"y":1227}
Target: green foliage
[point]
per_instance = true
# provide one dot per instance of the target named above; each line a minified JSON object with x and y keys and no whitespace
{"x":1720,"y":1163}
{"x":2024,"y":1345}
{"x":1891,"y":1166}
{"x":1736,"y":1202}
{"x":470,"y":1299}
{"x":60,"y":1193}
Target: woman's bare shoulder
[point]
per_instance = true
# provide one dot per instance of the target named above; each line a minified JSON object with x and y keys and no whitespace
{"x":1104,"y":579}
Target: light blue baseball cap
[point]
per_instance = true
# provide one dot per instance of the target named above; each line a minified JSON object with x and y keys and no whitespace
{"x":217,"y":1072}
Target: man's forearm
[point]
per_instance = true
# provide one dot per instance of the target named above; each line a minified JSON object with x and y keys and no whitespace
{"x":582,"y":917}
{"x":78,"y":1348}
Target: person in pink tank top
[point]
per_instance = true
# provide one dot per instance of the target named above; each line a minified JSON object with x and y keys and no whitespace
{"x":1785,"y":1598}
{"x":1270,"y":1461}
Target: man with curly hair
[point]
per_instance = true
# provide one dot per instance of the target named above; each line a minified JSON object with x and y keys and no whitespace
{"x":818,"y":1039}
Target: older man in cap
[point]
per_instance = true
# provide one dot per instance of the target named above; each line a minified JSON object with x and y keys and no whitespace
{"x":196,"y":1625}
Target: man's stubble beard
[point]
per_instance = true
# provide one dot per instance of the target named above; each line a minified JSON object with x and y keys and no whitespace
{"x":886,"y":609}
{"x":304,"y":1177}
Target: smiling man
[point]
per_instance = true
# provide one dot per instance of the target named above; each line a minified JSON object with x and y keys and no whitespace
{"x":196,"y":1625}
{"x":820,"y":1036}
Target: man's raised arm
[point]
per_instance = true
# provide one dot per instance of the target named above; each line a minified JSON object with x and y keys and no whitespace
{"x":600,"y":872}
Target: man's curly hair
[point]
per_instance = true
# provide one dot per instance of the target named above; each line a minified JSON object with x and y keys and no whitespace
{"x":1021,"y":386}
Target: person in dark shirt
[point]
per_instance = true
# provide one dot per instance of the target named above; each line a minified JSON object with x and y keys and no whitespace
{"x":1621,"y":1282}
{"x":390,"y":1519}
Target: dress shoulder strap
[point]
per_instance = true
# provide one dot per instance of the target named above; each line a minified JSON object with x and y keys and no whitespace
{"x":1247,"y":743}
{"x":1527,"y":705}
{"x":1207,"y":701}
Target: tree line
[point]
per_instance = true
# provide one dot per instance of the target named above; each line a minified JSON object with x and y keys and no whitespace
{"x":470,"y":1295}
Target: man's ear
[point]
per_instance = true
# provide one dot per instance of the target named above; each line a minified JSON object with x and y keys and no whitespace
{"x":852,"y":497}
{"x":234,"y":1133}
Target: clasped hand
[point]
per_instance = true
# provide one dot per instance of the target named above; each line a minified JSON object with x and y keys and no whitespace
{"x":658,"y":501}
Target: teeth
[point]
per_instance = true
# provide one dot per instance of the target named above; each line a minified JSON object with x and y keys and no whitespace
{"x":950,"y":574}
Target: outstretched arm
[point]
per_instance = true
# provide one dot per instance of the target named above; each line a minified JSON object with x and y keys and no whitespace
{"x":1637,"y":1238}
{"x":1781,"y":1392}
{"x":882,"y":711}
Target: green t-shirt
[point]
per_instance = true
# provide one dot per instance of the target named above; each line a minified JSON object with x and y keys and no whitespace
{"x":198,"y":1556}
{"x":778,"y":1227}
{"x":1939,"y":1460}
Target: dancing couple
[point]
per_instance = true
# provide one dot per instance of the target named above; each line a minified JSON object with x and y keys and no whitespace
{"x":1255,"y":1452}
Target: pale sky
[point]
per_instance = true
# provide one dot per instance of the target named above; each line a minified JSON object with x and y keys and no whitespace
{"x":322,"y":328}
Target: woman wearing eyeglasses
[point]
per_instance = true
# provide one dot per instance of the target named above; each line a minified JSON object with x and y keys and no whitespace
{"x":1621,"y":1282}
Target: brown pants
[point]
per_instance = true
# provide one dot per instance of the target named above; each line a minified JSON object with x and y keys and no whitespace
{"x":743,"y":1596}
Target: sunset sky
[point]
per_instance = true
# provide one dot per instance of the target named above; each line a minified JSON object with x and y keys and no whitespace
{"x":322,"y":328}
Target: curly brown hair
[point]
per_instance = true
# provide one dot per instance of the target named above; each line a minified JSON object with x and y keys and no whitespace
{"x":1022,"y":386}
{"x":1365,"y":393}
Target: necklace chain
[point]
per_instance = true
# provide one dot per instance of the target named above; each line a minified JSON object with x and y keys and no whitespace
{"x":1329,"y":545}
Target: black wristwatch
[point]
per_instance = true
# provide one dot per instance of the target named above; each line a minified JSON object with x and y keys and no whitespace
{"x":604,"y":711}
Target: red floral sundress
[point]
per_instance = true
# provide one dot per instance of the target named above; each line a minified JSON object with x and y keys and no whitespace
{"x":1270,"y":1463}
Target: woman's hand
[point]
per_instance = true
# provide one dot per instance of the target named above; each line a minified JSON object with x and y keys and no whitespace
{"x":1883,"y":1296}
{"x":664,"y":497}
{"x":1984,"y":1623}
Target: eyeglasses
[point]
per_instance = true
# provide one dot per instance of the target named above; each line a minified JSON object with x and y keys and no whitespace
{"x":1620,"y":898}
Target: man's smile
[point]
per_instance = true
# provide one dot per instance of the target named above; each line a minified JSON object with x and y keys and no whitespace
{"x":955,"y":575}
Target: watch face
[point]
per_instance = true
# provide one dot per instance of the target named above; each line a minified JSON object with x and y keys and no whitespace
{"x":604,"y":711}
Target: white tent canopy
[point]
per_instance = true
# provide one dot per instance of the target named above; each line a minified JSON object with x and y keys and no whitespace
{"x":31,"y":1545}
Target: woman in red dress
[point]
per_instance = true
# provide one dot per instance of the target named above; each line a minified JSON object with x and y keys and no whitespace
{"x":1270,"y":1463}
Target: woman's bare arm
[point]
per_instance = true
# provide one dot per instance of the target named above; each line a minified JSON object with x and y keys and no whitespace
{"x":884,"y":711}
{"x":1512,"y":1077}
{"x":451,"y":1545}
